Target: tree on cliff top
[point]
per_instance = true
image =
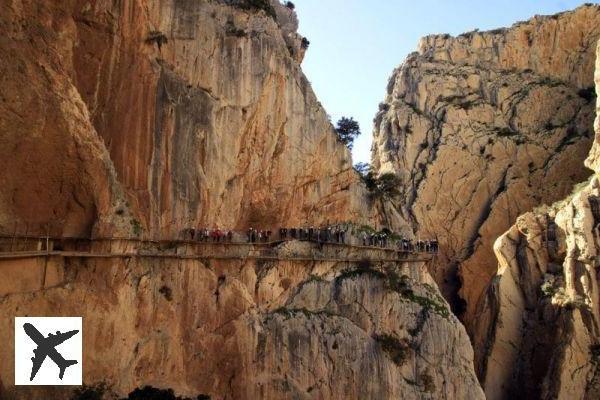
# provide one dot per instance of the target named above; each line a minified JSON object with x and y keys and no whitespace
{"x":347,"y":130}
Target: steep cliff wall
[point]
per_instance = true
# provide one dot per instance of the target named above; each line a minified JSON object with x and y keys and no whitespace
{"x":483,"y":127}
{"x":242,"y":328}
{"x":539,"y":327}
{"x":163,"y":113}
{"x":141,"y":118}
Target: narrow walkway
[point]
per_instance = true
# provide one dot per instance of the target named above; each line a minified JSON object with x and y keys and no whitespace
{"x":73,"y":254}
{"x":70,"y":247}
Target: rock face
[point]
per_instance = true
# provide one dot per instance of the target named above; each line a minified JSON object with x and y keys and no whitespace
{"x":482,"y":127}
{"x":163,"y":114}
{"x":252,"y":328}
{"x":539,"y":324}
{"x":140,"y":118}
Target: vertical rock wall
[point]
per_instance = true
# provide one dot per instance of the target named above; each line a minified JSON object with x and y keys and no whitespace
{"x":539,"y":325}
{"x":163,"y":114}
{"x":483,"y":127}
{"x":250,"y":329}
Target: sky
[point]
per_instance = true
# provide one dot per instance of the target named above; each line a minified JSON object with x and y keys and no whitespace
{"x":356,"y":44}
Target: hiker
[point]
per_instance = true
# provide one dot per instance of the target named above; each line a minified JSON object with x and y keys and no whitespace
{"x":185,"y":233}
{"x":229,"y":236}
{"x":198,"y":235}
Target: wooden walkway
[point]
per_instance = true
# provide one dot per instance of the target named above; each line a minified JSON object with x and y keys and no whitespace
{"x":188,"y":249}
{"x":75,"y":254}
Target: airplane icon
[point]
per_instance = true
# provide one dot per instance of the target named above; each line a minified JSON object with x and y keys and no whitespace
{"x":46,"y":347}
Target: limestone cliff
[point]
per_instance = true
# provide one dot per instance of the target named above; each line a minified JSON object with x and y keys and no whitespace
{"x":249,"y":329}
{"x":140,"y":118}
{"x":482,"y":127}
{"x":161,"y":115}
{"x":539,"y":325}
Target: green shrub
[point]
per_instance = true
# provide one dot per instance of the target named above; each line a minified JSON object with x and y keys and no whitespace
{"x":588,"y":94}
{"x":292,"y":312}
{"x":548,"y":289}
{"x":89,"y":392}
{"x":397,"y":350}
{"x":256,"y":5}
{"x":305,"y":43}
{"x":232,"y":30}
{"x":136,"y":227}
{"x":426,"y":382}
{"x":167,"y":292}
{"x":152,"y":393}
{"x":402,"y":286}
{"x":387,"y":184}
{"x":506,"y":132}
{"x":356,"y":272}
{"x":157,"y":37}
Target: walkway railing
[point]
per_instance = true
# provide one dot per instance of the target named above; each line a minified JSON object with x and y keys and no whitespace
{"x":115,"y":247}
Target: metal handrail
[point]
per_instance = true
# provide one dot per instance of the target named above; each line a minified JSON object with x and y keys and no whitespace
{"x":208,"y":242}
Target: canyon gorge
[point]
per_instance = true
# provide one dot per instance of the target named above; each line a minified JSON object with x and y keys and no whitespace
{"x":136,"y":120}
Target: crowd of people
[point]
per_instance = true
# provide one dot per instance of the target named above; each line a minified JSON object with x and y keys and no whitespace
{"x":332,"y":234}
{"x":260,"y":236}
{"x":208,"y":235}
{"x":329,"y":234}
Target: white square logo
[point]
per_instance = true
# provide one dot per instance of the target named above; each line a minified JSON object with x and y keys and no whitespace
{"x":48,"y":350}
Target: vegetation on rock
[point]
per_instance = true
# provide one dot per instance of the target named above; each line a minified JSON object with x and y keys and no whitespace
{"x":257,"y":5}
{"x":397,"y":350}
{"x":383,"y":186}
{"x":157,"y":37}
{"x":152,"y":393}
{"x":347,"y":130}
{"x":305,"y":43}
